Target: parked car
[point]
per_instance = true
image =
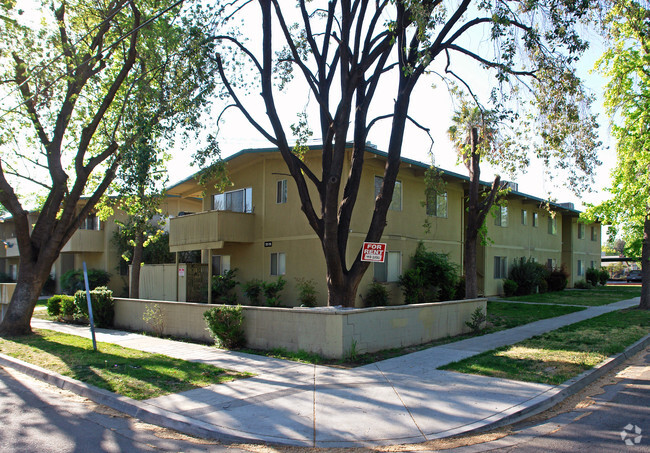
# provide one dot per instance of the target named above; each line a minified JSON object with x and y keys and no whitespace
{"x":634,"y":276}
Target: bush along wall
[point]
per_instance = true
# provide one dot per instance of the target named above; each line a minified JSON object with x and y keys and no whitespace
{"x":101,"y":299}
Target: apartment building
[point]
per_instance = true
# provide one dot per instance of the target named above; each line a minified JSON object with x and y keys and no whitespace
{"x":256,"y":226}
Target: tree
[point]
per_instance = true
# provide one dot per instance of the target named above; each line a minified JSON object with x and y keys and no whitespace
{"x":80,"y":87}
{"x":141,"y":181}
{"x":473,"y":134}
{"x":627,"y":96}
{"x":349,"y":53}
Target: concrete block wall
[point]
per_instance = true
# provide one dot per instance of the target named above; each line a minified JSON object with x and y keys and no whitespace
{"x":332,"y":333}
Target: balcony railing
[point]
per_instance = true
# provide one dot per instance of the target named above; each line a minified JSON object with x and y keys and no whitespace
{"x":210,"y":230}
{"x":85,"y":241}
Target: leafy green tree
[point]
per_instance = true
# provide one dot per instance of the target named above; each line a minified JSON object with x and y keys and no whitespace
{"x":141,"y":182}
{"x":349,"y":53}
{"x":627,"y":96}
{"x":80,"y":87}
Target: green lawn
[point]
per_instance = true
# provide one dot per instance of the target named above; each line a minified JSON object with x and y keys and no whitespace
{"x":589,"y":297}
{"x":138,"y":375}
{"x":557,"y":356}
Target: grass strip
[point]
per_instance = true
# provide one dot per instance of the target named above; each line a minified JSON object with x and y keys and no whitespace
{"x":587,"y":297}
{"x":557,"y":356}
{"x":500,"y":316}
{"x":136,"y":374}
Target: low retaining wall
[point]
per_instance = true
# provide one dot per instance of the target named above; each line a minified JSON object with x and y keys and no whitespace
{"x":6,"y":291}
{"x":329,"y":332}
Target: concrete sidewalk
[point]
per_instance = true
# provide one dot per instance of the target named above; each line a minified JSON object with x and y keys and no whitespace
{"x":400,"y":400}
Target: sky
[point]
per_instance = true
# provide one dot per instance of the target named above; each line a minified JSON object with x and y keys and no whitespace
{"x":431,"y":107}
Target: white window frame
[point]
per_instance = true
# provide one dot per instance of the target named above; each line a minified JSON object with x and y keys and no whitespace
{"x":535,"y":219}
{"x":396,"y":202}
{"x":552,"y":225}
{"x":441,"y":207}
{"x":220,"y":264}
{"x":501,"y":218}
{"x":390,"y":270}
{"x":220,"y":201}
{"x":581,"y":231}
{"x":281,"y":194}
{"x":580,"y":268}
{"x":524,"y":217}
{"x":280,"y":266}
{"x":500,"y":267}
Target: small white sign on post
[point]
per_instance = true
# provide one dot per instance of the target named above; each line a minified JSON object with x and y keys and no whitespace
{"x":181,"y":271}
{"x":373,"y":251}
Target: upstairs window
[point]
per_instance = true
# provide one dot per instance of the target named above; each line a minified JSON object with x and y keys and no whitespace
{"x":581,"y":231}
{"x":535,"y":219}
{"x":594,"y":234}
{"x":236,"y":201}
{"x":552,"y":225}
{"x":502,"y":216}
{"x":437,"y":205}
{"x":396,"y":203}
{"x":524,"y":217}
{"x":281,"y":195}
{"x":91,"y":222}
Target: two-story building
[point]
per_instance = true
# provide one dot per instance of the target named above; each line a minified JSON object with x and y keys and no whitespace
{"x":257,"y":226}
{"x":92,"y":243}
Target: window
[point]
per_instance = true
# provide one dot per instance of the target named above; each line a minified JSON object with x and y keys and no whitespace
{"x":396,"y":203}
{"x":91,"y":222}
{"x":581,"y":268}
{"x":281,"y":196}
{"x":237,"y":201}
{"x":390,"y":269}
{"x":500,"y":267}
{"x":593,"y":265}
{"x":551,"y":263}
{"x":524,"y":217}
{"x":594,"y":234}
{"x":278,"y":263}
{"x":502,"y":216}
{"x":581,"y":231}
{"x":535,"y":219}
{"x":552,"y":225}
{"x":220,"y":264}
{"x":437,"y":205}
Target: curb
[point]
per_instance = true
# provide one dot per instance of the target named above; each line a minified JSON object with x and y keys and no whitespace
{"x":143,"y":411}
{"x":569,"y":388}
{"x":149,"y":413}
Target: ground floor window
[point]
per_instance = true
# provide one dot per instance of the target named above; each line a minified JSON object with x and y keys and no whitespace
{"x":581,"y":268}
{"x":500,"y":267}
{"x":278,"y":263}
{"x":390,"y":269}
{"x":551,"y":263}
{"x":220,"y":264}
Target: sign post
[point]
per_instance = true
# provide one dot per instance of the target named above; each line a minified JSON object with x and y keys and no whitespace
{"x":90,"y":308}
{"x":373,"y":252}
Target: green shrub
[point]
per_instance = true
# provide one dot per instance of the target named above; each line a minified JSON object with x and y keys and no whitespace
{"x":460,"y":288}
{"x":376,"y":296}
{"x":61,"y":306}
{"x":592,"y":276}
{"x":582,"y":284}
{"x":73,"y":280}
{"x":476,"y":322}
{"x":222,"y":285}
{"x":253,"y":290}
{"x":557,"y":279}
{"x":432,"y":277}
{"x":68,"y":307}
{"x":528,"y":274}
{"x":509,"y":287}
{"x":101,"y":299}
{"x":307,"y":293}
{"x":603,"y":276}
{"x":54,"y":306}
{"x":542,"y":286}
{"x":416,"y":289}
{"x":225,"y":324}
{"x":272,"y":291}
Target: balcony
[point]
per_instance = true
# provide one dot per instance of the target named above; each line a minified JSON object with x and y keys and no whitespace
{"x":85,"y":241}
{"x":210,"y":230}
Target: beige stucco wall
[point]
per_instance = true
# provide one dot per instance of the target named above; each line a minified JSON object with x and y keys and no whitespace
{"x":326,"y":331}
{"x":6,"y":292}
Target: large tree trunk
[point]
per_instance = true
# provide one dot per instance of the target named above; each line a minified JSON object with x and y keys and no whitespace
{"x":471,"y":271}
{"x":136,"y":263}
{"x":29,"y":284}
{"x":645,"y":266}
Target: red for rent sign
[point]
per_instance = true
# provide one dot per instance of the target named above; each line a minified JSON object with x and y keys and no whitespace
{"x":373,"y":251}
